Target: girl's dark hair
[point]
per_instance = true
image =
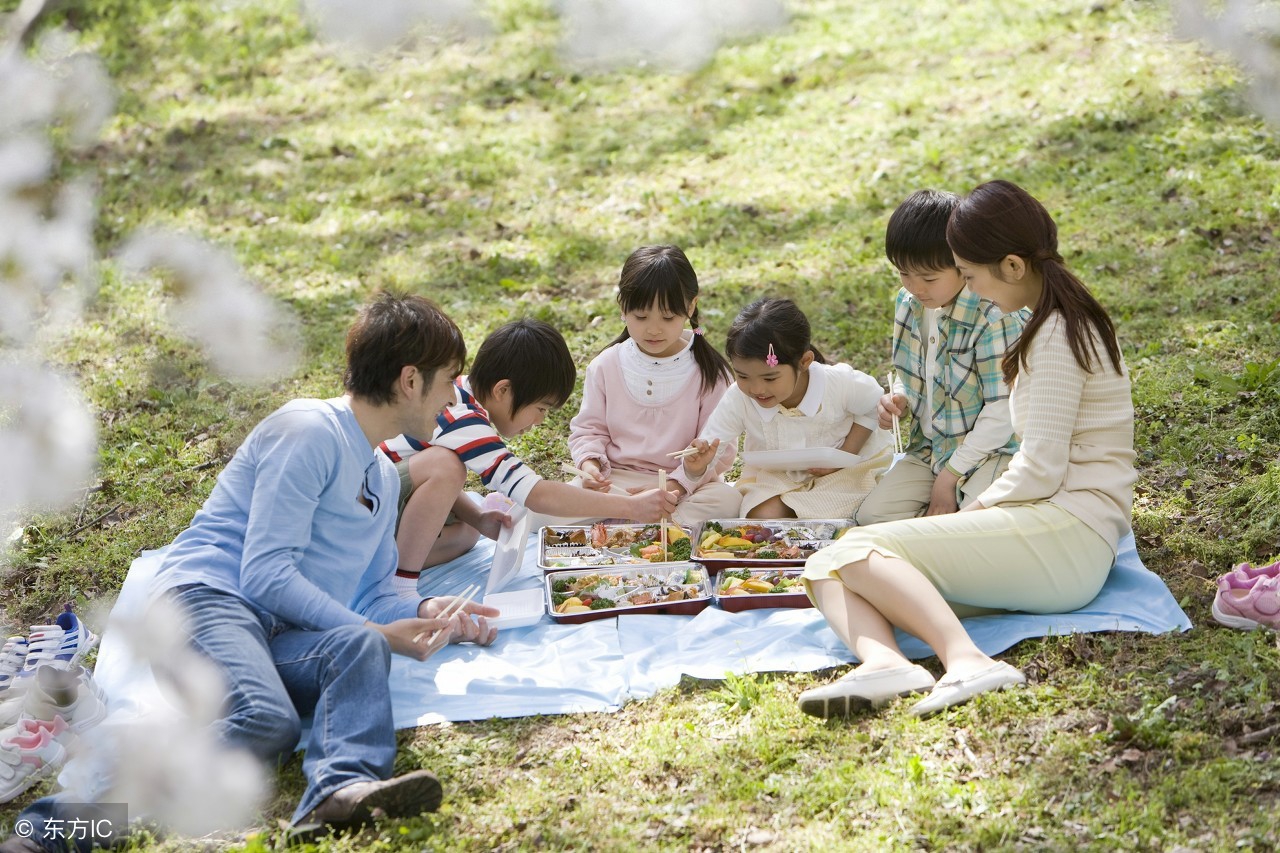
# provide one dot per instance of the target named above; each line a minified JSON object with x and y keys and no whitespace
{"x":771,"y":322}
{"x":916,"y":238}
{"x":532,"y":356}
{"x":664,"y":274}
{"x":999,"y":219}
{"x":392,"y":332}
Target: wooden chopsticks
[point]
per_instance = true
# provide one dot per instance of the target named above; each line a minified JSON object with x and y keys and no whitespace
{"x":453,"y":607}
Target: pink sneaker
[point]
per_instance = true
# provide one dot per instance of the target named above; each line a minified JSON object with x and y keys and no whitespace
{"x":1252,"y":573}
{"x":1247,"y":603}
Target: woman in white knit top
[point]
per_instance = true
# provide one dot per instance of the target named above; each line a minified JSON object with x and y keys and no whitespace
{"x":1043,"y":537}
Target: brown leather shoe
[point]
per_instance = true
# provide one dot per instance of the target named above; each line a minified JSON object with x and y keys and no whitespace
{"x":362,"y":802}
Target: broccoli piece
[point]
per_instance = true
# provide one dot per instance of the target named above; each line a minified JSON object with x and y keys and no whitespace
{"x":560,"y":585}
{"x":681,"y":549}
{"x":558,"y":598}
{"x":712,"y":525}
{"x":745,"y":574}
{"x":603,"y":604}
{"x":766,"y":554}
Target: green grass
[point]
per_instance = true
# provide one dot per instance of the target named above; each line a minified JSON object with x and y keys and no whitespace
{"x":500,"y":183}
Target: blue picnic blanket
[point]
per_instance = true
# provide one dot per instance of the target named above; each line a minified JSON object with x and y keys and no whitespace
{"x":550,"y":668}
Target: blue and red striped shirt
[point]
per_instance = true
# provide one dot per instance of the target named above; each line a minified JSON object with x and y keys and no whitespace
{"x":466,"y":429}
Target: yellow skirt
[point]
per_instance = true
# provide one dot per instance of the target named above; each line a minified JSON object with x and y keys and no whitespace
{"x":1037,"y":557}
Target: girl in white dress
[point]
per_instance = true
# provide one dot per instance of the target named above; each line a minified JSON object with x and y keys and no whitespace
{"x":787,"y":397}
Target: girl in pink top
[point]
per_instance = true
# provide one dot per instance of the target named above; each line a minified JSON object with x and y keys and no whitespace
{"x":650,"y":392}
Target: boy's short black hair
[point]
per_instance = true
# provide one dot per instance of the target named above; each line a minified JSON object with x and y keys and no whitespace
{"x":392,"y":332}
{"x":532,"y":356}
{"x":916,"y":238}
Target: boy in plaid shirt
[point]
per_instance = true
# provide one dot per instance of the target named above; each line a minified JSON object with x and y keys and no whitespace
{"x":948,"y":345}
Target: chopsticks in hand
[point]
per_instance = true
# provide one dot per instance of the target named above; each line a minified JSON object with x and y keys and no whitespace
{"x":681,"y":454}
{"x":450,"y":609}
{"x":578,"y":472}
{"x":897,"y":433}
{"x":662,"y":522}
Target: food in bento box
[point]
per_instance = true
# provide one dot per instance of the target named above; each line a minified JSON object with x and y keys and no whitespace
{"x":747,"y":582}
{"x":588,"y":592}
{"x":613,"y":545}
{"x":772,"y":540}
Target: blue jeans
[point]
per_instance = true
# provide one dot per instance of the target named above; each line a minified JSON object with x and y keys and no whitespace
{"x":277,"y":673}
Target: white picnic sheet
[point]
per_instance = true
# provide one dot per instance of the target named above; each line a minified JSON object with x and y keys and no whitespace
{"x":550,"y":668}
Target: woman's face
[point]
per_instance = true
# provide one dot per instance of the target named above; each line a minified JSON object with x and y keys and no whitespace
{"x":1010,"y":295}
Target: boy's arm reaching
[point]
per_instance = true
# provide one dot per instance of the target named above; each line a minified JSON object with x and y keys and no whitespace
{"x":552,"y":498}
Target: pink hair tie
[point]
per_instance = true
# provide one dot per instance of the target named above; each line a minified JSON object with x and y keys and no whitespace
{"x":772,"y":358}
{"x":698,"y":330}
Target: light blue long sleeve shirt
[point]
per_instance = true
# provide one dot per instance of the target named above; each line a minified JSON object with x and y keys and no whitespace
{"x":285,"y":530}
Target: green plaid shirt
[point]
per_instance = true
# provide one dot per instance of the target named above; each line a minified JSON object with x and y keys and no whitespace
{"x":973,"y":335}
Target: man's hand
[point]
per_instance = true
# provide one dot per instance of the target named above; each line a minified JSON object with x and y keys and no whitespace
{"x":889,"y":407}
{"x":462,"y":627}
{"x":415,"y":638}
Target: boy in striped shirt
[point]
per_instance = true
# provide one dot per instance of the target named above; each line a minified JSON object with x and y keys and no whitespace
{"x":521,"y":372}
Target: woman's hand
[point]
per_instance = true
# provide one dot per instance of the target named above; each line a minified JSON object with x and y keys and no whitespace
{"x":491,"y":522}
{"x":652,"y":505}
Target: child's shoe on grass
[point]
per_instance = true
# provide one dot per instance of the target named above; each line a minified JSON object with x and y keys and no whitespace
{"x":27,"y":758}
{"x":1244,"y":602}
{"x":76,"y":637}
{"x":1250,"y":573}
{"x":12,"y":657}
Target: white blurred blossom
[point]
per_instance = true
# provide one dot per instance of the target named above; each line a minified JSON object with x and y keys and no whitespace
{"x":160,"y":755}
{"x":373,"y":25}
{"x":1247,"y":30}
{"x":246,"y":334}
{"x":676,"y":35}
{"x":47,"y":439}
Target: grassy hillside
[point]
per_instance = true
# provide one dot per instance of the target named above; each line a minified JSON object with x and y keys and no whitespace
{"x":500,"y":183}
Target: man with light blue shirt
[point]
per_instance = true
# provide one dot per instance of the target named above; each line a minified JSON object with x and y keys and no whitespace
{"x":285,"y":573}
{"x":284,"y":576}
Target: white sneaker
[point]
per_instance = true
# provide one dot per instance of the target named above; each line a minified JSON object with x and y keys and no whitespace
{"x":12,"y":657}
{"x":70,"y":694}
{"x":26,"y":759}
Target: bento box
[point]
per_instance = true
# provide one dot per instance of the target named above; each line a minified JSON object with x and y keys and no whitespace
{"x":764,"y":542}
{"x":741,"y":588}
{"x":581,"y":595}
{"x":602,"y":544}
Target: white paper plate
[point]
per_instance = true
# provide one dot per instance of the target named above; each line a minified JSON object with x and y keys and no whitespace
{"x":520,"y":607}
{"x":799,"y":460}
{"x":508,"y":551}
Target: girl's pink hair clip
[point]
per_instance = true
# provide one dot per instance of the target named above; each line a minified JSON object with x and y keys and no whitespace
{"x":772,"y":358}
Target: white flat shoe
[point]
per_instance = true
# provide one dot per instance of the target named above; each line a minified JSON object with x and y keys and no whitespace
{"x":859,"y":691}
{"x":998,"y":676}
